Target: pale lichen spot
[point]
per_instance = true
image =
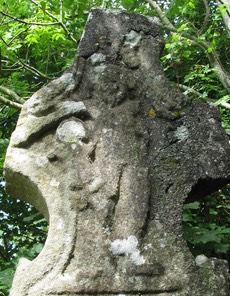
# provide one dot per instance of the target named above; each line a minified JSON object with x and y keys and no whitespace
{"x":41,"y":161}
{"x":154,"y":20}
{"x":18,"y":155}
{"x":54,"y":183}
{"x":137,"y":258}
{"x":128,"y":247}
{"x":95,"y":112}
{"x":70,"y":107}
{"x":31,"y":117}
{"x":148,"y":246}
{"x":73,"y":146}
{"x":201,"y":259}
{"x":22,"y":132}
{"x":162,"y":245}
{"x":65,"y":277}
{"x":182,"y":133}
{"x":132,"y":38}
{"x":96,"y":184}
{"x":97,"y":58}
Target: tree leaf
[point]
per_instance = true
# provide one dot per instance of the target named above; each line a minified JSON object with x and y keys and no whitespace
{"x":192,"y":206}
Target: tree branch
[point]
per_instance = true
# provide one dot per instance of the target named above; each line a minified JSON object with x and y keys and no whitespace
{"x":61,"y":10}
{"x":33,"y":70}
{"x":198,"y":94}
{"x":213,"y":56}
{"x":12,"y":94}
{"x":225,"y":105}
{"x":165,"y":21}
{"x":10,"y":103}
{"x":28,"y":23}
{"x":46,"y":11}
{"x":3,"y":40}
{"x":26,"y":66}
{"x":57,"y":20}
{"x":17,"y":36}
{"x":226,"y":15}
{"x":190,"y":89}
{"x":206,"y":18}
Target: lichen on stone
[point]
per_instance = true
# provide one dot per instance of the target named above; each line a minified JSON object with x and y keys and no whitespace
{"x":128,"y":247}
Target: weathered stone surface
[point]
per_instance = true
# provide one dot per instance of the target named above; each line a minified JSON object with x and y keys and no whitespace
{"x":108,"y":153}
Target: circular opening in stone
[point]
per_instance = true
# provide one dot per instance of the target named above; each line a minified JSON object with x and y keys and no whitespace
{"x":71,"y":131}
{"x":206,"y":215}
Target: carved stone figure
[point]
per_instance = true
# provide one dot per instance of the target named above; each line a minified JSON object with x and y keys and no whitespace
{"x":109,"y":152}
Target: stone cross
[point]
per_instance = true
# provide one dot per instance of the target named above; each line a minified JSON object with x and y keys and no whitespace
{"x":108,"y":153}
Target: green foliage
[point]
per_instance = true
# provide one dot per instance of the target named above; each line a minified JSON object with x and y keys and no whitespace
{"x":225,"y":120}
{"x":203,"y":79}
{"x":22,"y":234}
{"x":8,"y":118}
{"x":200,"y":31}
{"x":206,"y":225}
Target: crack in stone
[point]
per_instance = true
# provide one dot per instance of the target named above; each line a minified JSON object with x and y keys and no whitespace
{"x":71,"y":253}
{"x":92,"y":154}
{"x":115,"y":198}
